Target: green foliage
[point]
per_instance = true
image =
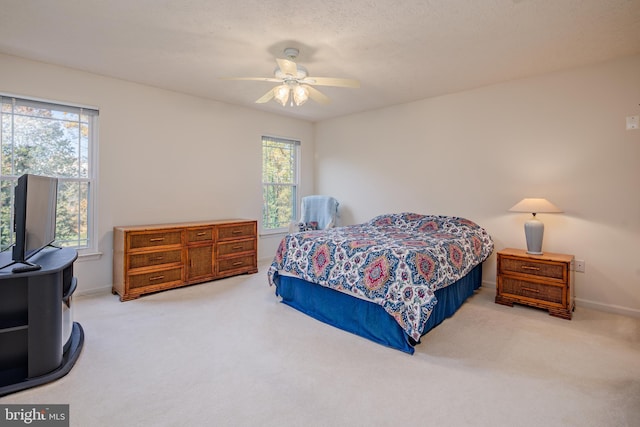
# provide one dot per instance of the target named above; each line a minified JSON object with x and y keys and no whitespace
{"x":279,"y":170}
{"x":51,"y":143}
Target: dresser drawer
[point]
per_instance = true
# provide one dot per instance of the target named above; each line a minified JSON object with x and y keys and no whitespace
{"x":236,"y":263}
{"x":230,"y":248}
{"x":549,"y":270}
{"x":152,"y":239}
{"x":236,"y":231}
{"x":199,"y":234}
{"x":531,"y":290}
{"x":155,"y":278}
{"x":150,"y":259}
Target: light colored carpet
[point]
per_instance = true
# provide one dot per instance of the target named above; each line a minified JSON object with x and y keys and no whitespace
{"x":227,"y":353}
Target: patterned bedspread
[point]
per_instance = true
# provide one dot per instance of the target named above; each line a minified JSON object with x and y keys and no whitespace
{"x":395,"y":260}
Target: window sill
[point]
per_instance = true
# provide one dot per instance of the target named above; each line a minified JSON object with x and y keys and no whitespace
{"x":89,"y":256}
{"x":275,"y":233}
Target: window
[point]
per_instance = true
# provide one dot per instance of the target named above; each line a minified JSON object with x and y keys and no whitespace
{"x":54,"y":140}
{"x":279,"y":183}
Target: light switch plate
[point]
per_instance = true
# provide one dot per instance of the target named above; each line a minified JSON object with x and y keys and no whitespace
{"x":632,"y":122}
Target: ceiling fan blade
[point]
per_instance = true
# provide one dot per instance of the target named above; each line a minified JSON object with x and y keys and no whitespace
{"x":258,"y":79}
{"x":266,"y":97}
{"x":287,"y":67}
{"x":316,"y":95}
{"x":332,"y":81}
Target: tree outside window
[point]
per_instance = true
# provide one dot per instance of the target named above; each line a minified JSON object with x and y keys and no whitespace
{"x":279,"y":183}
{"x":52,"y":140}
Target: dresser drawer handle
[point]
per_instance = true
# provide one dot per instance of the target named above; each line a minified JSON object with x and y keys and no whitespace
{"x":157,"y":239}
{"x":237,"y":263}
{"x":537,"y":291}
{"x":236,"y":247}
{"x":526,"y":267}
{"x":236,"y":232}
{"x":202,"y":233}
{"x":151,"y":279}
{"x":156,"y":258}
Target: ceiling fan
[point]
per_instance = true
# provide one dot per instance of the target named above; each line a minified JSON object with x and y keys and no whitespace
{"x":295,"y":83}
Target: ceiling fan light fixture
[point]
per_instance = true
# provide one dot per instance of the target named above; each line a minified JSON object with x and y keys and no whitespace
{"x":300,"y":95}
{"x":294,"y":84}
{"x":281,"y":94}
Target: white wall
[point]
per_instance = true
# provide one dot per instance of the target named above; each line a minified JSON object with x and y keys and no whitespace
{"x":168,"y":157}
{"x":163,"y":156}
{"x":475,"y":154}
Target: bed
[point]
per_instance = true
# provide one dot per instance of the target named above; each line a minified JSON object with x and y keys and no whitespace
{"x":390,"y":280}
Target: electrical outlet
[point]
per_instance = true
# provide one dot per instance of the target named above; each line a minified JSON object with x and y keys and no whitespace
{"x":579,"y":265}
{"x":633,"y":122}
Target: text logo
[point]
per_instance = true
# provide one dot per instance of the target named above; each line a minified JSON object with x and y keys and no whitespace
{"x":34,"y":415}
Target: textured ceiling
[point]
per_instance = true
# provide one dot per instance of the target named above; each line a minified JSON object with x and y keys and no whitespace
{"x":400,"y":50}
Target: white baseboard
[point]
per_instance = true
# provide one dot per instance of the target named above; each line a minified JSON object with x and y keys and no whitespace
{"x":92,"y":291}
{"x":610,"y":308}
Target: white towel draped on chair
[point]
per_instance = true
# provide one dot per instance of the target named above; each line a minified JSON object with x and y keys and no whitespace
{"x":320,"y":209}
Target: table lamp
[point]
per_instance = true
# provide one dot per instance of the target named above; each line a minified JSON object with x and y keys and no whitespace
{"x":534,"y":228}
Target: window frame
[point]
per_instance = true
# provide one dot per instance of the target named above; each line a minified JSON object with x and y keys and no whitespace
{"x":91,"y":249}
{"x":296,"y":143}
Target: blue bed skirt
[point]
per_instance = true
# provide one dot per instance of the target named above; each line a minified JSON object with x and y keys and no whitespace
{"x":367,"y":319}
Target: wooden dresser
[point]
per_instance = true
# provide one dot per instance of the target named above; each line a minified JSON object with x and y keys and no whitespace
{"x":544,"y":281}
{"x":151,"y":258}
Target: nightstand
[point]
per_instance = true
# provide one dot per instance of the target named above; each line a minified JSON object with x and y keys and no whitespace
{"x":543,"y":281}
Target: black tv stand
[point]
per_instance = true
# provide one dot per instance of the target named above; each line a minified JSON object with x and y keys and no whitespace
{"x":39,"y":342}
{"x":25,"y":267}
{"x":28,"y":266}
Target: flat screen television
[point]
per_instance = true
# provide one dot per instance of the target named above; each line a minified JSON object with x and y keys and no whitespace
{"x":34,"y":222}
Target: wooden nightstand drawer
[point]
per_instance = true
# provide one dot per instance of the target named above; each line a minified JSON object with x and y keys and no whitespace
{"x":149,"y":259}
{"x":531,"y":290}
{"x":543,"y":281}
{"x":153,"y":239}
{"x":552,"y":270}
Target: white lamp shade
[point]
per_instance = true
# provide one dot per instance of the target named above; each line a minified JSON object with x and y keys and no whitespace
{"x":535,"y":206}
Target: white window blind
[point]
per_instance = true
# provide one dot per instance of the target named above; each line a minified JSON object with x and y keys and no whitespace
{"x":279,"y":183}
{"x":50,"y":139}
